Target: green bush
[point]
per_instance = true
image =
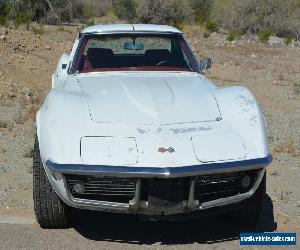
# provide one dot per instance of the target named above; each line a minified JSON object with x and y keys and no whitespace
{"x":211,"y":26}
{"x":90,"y":22}
{"x":124,"y":9}
{"x":288,"y":40}
{"x":254,"y":16}
{"x":62,"y":29}
{"x":232,"y":36}
{"x":201,"y":10}
{"x":206,"y":34}
{"x":4,"y":8}
{"x":172,"y":12}
{"x":39,"y":30}
{"x":83,"y":10}
{"x":264,"y":35}
{"x":4,"y":21}
{"x":182,"y":14}
{"x":27,"y":24}
{"x":21,"y":19}
{"x":88,"y":11}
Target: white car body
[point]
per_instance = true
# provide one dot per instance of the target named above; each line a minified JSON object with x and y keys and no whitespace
{"x":147,"y":125}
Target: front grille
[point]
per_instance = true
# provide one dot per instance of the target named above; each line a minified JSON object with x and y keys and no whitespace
{"x":107,"y":189}
{"x":216,"y":186}
{"x":157,"y":191}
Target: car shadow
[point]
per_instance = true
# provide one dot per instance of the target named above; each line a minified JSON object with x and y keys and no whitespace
{"x":130,"y":229}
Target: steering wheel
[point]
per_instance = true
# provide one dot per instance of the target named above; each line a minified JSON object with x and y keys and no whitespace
{"x":166,"y":63}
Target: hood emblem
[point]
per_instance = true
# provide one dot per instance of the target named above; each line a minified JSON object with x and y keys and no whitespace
{"x":163,"y":150}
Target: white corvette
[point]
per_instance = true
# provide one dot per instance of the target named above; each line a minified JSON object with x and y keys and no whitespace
{"x":131,"y":125}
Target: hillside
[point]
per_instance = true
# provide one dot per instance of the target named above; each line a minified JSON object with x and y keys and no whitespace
{"x":270,"y":71}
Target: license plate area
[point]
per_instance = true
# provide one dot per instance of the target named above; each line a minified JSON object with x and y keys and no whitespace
{"x":166,"y":192}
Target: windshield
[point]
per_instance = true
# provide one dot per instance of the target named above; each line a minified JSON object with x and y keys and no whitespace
{"x":134,"y":53}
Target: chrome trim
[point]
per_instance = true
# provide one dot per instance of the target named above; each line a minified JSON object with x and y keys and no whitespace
{"x":138,"y":206}
{"x":158,"y":172}
{"x":192,"y":203}
{"x":234,"y":199}
{"x":134,"y":203}
{"x":130,"y":32}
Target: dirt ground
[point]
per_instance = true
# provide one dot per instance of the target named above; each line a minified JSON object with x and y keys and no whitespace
{"x":270,"y":71}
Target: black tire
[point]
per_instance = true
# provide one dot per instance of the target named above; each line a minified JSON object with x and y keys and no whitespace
{"x":50,"y":211}
{"x":249,"y":215}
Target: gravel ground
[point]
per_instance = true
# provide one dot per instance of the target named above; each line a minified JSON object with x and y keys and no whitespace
{"x":270,"y":71}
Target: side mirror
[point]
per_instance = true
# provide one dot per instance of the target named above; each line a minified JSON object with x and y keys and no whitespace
{"x":205,"y":63}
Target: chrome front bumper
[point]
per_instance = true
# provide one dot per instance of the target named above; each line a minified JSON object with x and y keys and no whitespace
{"x":55,"y":173}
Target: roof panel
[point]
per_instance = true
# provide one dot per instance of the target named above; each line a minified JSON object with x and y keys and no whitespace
{"x":155,"y":28}
{"x":104,"y":28}
{"x":114,"y":28}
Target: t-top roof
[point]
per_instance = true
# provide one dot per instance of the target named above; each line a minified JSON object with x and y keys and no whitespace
{"x":123,"y":28}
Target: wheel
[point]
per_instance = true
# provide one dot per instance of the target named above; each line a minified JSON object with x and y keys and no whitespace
{"x":50,"y":211}
{"x":249,"y":215}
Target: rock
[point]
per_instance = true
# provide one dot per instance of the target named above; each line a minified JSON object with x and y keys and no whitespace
{"x":3,"y":37}
{"x":297,"y":44}
{"x":29,"y":93}
{"x":276,"y":41}
{"x":48,"y":47}
{"x":29,"y":153}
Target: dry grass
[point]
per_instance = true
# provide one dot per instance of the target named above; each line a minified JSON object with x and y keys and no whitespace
{"x":63,"y":29}
{"x":297,"y":87}
{"x":287,"y":146}
{"x":3,"y":124}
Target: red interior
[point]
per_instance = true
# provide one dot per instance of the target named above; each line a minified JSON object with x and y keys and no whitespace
{"x":88,"y":69}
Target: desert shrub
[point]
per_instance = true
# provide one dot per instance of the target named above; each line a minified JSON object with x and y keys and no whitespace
{"x":297,"y":88}
{"x":90,"y":22}
{"x":4,"y":21}
{"x":183,"y":14}
{"x":206,"y":34}
{"x":173,"y":12}
{"x":288,"y":40}
{"x":232,"y":36}
{"x":201,"y":10}
{"x":211,"y":26}
{"x":17,"y":23}
{"x":124,"y":9}
{"x":264,"y":35}
{"x":26,"y":22}
{"x":62,"y":29}
{"x":96,"y":7}
{"x":4,"y":11}
{"x":38,"y":30}
{"x":4,"y":8}
{"x":254,"y":16}
{"x":57,"y":11}
{"x":157,"y":11}
{"x":217,"y":10}
{"x":21,"y":19}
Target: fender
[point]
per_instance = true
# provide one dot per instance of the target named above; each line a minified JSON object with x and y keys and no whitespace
{"x":241,"y":114}
{"x":61,"y":72}
{"x":54,"y":118}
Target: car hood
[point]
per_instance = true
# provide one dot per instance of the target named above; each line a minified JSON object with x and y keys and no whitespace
{"x":148,"y":99}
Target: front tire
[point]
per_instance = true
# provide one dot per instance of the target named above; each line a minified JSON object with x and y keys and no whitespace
{"x":249,"y":215}
{"x":50,"y":211}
